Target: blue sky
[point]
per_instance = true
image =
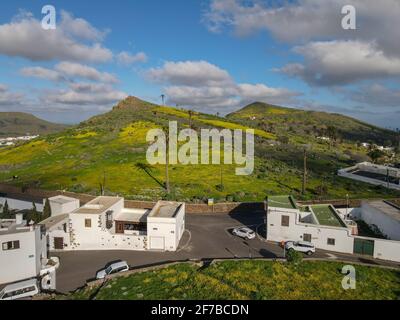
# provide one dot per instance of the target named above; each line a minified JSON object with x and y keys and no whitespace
{"x":213,"y":56}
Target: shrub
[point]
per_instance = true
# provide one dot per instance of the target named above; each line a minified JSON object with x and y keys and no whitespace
{"x":294,"y":257}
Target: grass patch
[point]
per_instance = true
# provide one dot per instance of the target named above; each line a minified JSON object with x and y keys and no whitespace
{"x":255,"y":280}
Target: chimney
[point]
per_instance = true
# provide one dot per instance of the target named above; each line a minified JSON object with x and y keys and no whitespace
{"x":19,"y":217}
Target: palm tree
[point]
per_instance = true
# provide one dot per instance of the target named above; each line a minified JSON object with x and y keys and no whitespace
{"x":162,"y":98}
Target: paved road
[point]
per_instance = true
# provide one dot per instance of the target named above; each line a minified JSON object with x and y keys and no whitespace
{"x":206,"y":237}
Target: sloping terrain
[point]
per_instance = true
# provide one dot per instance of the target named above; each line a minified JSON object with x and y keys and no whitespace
{"x":18,"y":124}
{"x":110,"y":149}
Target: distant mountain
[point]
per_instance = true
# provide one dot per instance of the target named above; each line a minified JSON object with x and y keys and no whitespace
{"x":305,"y":123}
{"x":19,"y":123}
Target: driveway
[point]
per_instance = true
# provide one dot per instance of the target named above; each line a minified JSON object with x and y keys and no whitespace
{"x":206,"y":236}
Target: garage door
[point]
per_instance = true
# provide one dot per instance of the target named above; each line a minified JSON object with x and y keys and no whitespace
{"x":364,"y":246}
{"x":157,"y":243}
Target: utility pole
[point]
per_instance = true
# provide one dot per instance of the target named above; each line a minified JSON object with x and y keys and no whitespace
{"x":190,"y":118}
{"x":167,"y":161}
{"x":221,"y":175}
{"x":303,"y":188}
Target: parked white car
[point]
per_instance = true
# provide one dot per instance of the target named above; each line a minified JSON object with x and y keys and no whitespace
{"x":244,"y":232}
{"x":300,"y":246}
{"x":20,"y":290}
{"x":115,"y":267}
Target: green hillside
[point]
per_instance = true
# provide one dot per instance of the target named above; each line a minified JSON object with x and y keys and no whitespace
{"x":19,"y":123}
{"x":112,"y":147}
{"x":311,"y":124}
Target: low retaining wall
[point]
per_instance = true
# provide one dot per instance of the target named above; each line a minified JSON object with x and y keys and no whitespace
{"x":191,"y":208}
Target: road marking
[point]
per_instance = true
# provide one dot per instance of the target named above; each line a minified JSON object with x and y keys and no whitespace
{"x":331,"y":256}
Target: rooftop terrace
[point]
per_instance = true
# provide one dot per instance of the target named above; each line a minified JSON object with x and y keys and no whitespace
{"x":327,"y":216}
{"x":98,"y":205}
{"x":165,"y":209}
{"x":286,"y":202}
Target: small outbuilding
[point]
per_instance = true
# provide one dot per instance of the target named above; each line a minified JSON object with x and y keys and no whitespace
{"x":165,"y":225}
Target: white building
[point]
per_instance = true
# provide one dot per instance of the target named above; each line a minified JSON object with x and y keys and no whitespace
{"x":325,"y":227}
{"x":62,"y":204}
{"x":385,"y":215}
{"x":23,"y":252}
{"x":374,"y":174}
{"x":318,"y":224}
{"x":165,"y":225}
{"x":105,"y":224}
{"x":21,"y":202}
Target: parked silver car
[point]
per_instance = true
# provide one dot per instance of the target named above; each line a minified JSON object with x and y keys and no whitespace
{"x":244,"y":232}
{"x":115,"y":267}
{"x":300,"y":246}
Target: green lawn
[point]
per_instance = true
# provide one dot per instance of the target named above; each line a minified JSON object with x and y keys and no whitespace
{"x":326,"y":216}
{"x":249,"y":280}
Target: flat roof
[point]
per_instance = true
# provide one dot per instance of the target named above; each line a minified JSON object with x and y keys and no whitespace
{"x":98,"y":205}
{"x":10,"y":227}
{"x":132,"y":215}
{"x":52,"y":221}
{"x":62,"y":199}
{"x":386,"y":207}
{"x":326,"y":215}
{"x":286,"y":202}
{"x":165,"y":209}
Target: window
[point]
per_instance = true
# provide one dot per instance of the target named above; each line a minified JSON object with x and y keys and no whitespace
{"x":331,"y":241}
{"x":285,"y":221}
{"x":307,"y":237}
{"x":109,"y":219}
{"x":10,"y":245}
{"x":88,"y":223}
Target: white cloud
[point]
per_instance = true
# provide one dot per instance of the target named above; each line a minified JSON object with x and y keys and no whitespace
{"x":72,"y":69}
{"x":261,"y":92}
{"x":69,"y":71}
{"x":42,"y":73}
{"x":84,"y":94}
{"x":342,"y":62}
{"x":376,"y":95}
{"x":9,"y":99}
{"x":333,"y":56}
{"x":209,"y":97}
{"x":126,"y":58}
{"x":24,"y":37}
{"x":80,"y":28}
{"x":200,"y":84}
{"x":189,"y":73}
{"x":305,"y":20}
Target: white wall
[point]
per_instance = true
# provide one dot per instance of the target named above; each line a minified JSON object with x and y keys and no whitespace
{"x":20,"y":204}
{"x":165,"y":228}
{"x":57,"y":231}
{"x":320,"y":234}
{"x":387,"y":250}
{"x":99,"y":238}
{"x":25,"y":262}
{"x":389,"y":226}
{"x":62,"y":208}
{"x":179,"y":225}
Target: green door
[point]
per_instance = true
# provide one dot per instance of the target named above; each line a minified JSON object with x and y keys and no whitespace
{"x":364,"y":246}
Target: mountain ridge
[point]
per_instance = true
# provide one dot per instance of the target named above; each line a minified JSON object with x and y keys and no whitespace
{"x":21,"y":123}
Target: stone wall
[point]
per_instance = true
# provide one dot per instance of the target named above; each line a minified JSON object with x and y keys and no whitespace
{"x":191,"y":208}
